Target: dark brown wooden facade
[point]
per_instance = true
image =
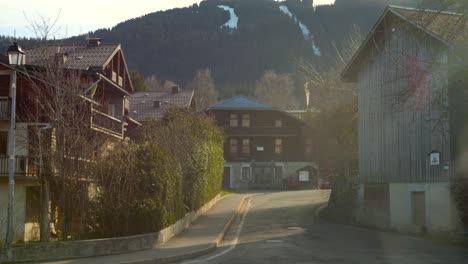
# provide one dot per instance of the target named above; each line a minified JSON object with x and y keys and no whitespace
{"x":262,"y":136}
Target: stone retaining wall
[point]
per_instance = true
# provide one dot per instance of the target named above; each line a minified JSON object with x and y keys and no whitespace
{"x":35,"y":252}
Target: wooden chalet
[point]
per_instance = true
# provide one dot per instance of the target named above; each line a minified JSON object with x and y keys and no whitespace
{"x":263,"y":147}
{"x":105,"y":82}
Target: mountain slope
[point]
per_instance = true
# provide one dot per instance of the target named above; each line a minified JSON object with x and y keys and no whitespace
{"x":173,"y":44}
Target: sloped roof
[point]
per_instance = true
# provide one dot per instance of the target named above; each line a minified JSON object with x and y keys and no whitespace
{"x":3,"y":59}
{"x":241,"y":103}
{"x":448,"y":28}
{"x":80,"y":57}
{"x":142,"y":103}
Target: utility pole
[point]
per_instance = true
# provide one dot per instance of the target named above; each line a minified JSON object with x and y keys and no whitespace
{"x":11,"y":164}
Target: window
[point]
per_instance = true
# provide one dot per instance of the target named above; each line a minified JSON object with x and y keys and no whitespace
{"x":3,"y":143}
{"x":246,"y":146}
{"x":278,"y":172}
{"x":234,"y":122}
{"x":245,"y":174}
{"x":278,"y":146}
{"x":233,"y":146}
{"x":278,"y":123}
{"x":32,"y":204}
{"x":245,"y":120}
{"x":308,"y":148}
{"x":111,"y":109}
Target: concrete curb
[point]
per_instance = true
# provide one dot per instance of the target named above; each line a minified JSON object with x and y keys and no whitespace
{"x":320,"y":209}
{"x":228,"y":225}
{"x":197,"y":253}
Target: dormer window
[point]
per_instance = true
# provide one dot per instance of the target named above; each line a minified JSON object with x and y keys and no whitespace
{"x":156,"y":104}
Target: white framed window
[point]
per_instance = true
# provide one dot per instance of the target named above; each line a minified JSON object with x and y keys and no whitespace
{"x":246,"y":146}
{"x":278,"y":123}
{"x":234,"y":121}
{"x":233,"y":146}
{"x":278,"y":146}
{"x":245,"y":120}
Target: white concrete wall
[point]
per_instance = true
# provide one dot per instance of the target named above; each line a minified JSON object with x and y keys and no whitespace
{"x":236,"y":171}
{"x":19,"y":210}
{"x":440,"y":208}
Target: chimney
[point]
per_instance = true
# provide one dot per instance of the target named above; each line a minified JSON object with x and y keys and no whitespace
{"x":61,"y":58}
{"x":94,"y":42}
{"x":175,"y":89}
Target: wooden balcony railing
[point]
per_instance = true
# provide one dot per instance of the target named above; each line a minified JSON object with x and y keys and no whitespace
{"x":261,"y":131}
{"x":5,"y":108}
{"x":24,"y":166}
{"x":106,"y":123}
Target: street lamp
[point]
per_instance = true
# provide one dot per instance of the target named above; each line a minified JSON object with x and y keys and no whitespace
{"x":16,"y":59}
{"x":15,"y":55}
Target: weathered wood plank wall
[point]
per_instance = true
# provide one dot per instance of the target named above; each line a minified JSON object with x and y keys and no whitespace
{"x":403,"y":107}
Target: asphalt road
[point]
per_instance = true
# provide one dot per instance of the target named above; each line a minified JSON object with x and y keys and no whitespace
{"x":281,"y":227}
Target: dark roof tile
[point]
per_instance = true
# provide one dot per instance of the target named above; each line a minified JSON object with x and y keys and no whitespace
{"x":80,"y":57}
{"x":142,"y":103}
{"x":449,"y":27}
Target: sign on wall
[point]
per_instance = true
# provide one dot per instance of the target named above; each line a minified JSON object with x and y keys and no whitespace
{"x":303,"y":176}
{"x":434,"y":158}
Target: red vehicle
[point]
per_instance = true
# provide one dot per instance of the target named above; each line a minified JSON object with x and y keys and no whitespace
{"x":290,"y":182}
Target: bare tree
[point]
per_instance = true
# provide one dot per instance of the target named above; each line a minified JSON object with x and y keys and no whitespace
{"x":43,"y":27}
{"x":205,"y":90}
{"x":57,"y":99}
{"x":276,"y":90}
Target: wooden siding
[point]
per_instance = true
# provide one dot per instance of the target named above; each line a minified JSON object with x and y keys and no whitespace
{"x":262,"y":133}
{"x":397,"y":135}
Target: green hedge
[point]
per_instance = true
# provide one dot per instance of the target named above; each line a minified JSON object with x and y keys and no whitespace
{"x":197,"y":143}
{"x":459,"y":188}
{"x":139,"y":190}
{"x":343,"y":198}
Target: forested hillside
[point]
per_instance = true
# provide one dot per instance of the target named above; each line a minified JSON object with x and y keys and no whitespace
{"x":174,"y":44}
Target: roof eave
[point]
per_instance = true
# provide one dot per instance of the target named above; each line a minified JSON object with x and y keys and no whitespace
{"x":349,"y":76}
{"x":345,"y":74}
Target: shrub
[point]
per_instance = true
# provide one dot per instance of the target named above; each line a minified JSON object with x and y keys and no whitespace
{"x":459,"y":188}
{"x":197,"y":143}
{"x":343,"y":197}
{"x":139,"y":190}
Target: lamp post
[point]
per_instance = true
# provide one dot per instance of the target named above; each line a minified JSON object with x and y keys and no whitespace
{"x":16,"y":59}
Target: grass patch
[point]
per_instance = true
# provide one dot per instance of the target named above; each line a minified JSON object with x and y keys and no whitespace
{"x":225,"y":192}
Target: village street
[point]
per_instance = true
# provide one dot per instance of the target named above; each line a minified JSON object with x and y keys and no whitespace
{"x":281,"y":227}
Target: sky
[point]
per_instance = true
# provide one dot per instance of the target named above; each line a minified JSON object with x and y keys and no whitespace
{"x":79,"y":17}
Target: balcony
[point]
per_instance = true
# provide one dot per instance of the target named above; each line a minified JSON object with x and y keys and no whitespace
{"x":106,"y":123}
{"x":24,"y":166}
{"x":5,"y":108}
{"x":262,"y":131}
